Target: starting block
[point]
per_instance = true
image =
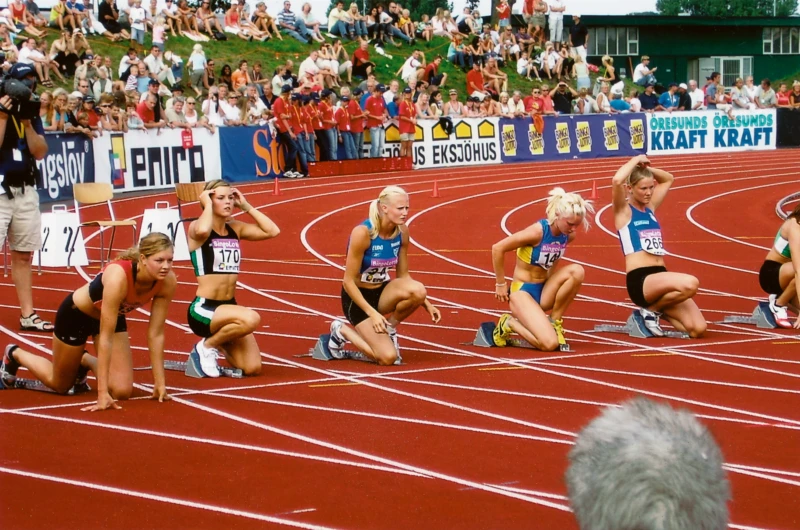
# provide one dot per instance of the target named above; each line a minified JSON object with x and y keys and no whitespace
{"x":321,"y":352}
{"x":635,"y":327}
{"x":762,"y":318}
{"x":484,"y":339}
{"x":192,"y":370}
{"x":33,"y":384}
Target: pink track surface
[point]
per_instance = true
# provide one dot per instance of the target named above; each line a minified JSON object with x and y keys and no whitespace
{"x":456,"y":437}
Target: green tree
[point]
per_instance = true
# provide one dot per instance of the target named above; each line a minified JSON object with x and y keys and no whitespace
{"x":728,"y":8}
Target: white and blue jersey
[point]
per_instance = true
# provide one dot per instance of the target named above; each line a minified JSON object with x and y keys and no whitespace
{"x":380,"y":256}
{"x":642,"y":233}
{"x":549,"y":250}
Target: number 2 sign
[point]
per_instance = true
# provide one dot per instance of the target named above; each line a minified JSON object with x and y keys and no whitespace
{"x":62,"y":241}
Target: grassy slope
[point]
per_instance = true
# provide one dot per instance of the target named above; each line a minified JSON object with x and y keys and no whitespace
{"x":273,"y":53}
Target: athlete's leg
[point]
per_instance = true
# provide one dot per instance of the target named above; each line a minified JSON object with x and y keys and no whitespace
{"x":401,"y":298}
{"x":59,"y":374}
{"x":787,"y":279}
{"x":667,"y":289}
{"x":531,"y":322}
{"x":120,"y":373}
{"x":377,"y":346}
{"x":686,"y":317}
{"x":231,"y":322}
{"x":243,"y":353}
{"x":561,"y":288}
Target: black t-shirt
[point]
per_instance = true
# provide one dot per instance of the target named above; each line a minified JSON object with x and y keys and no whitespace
{"x":17,"y":166}
{"x":648,"y":102}
{"x":684,"y":101}
{"x":562,"y":102}
{"x":578,"y":34}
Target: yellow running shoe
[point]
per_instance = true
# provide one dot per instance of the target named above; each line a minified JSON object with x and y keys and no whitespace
{"x":502,"y":331}
{"x":558,"y":325}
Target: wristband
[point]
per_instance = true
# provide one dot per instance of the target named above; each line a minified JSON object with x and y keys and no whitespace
{"x":500,"y":284}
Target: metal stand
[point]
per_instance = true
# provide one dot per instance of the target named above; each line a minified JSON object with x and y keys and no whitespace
{"x":191,"y":369}
{"x":483,"y":339}
{"x":635,"y":327}
{"x":321,"y":352}
{"x":762,"y":318}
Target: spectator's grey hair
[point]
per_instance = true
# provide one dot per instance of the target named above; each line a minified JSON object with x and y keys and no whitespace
{"x":517,"y":93}
{"x":646,"y":466}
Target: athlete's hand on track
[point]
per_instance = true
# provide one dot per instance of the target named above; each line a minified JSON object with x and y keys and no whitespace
{"x":205,"y":198}
{"x":379,"y":323}
{"x":104,"y":401}
{"x":797,"y":323}
{"x":160,"y":393}
{"x":501,"y":292}
{"x":435,"y":314}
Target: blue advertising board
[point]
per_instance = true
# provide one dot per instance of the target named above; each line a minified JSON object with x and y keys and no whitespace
{"x":69,"y":160}
{"x":249,"y":153}
{"x":573,"y":136}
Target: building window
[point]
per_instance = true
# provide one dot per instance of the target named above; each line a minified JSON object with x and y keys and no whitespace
{"x":781,"y":41}
{"x":733,"y":68}
{"x":613,"y":41}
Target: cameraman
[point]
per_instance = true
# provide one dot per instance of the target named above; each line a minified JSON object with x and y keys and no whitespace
{"x":23,"y":143}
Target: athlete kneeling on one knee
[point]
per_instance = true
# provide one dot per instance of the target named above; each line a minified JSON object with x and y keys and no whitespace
{"x":214,"y":248}
{"x":98,"y":310}
{"x":637,"y":191}
{"x":778,"y":274}
{"x":377,"y":245}
{"x":538,"y":284}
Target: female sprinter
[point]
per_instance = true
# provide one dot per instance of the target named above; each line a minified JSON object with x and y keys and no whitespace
{"x":537,"y":285}
{"x":375,"y":246}
{"x":98,"y":309}
{"x":778,"y":275}
{"x":637,"y":191}
{"x":216,"y":254}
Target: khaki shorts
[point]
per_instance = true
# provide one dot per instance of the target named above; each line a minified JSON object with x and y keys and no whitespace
{"x":20,"y":220}
{"x":407,"y":137}
{"x":535,"y":20}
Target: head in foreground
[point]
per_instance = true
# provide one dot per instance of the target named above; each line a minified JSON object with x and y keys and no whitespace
{"x":646,"y":466}
{"x":567,"y":211}
{"x":221,"y":196}
{"x":390,"y":208}
{"x":153,"y":254}
{"x":641,"y":184}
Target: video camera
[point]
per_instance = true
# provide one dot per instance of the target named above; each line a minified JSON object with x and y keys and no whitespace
{"x":25,"y":103}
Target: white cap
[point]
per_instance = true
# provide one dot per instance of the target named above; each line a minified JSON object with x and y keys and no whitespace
{"x":683,"y":86}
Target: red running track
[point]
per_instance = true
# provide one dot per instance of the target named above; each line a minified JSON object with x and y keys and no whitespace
{"x":457,"y":437}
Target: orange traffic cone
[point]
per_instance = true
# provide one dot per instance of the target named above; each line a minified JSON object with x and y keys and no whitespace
{"x":277,"y":190}
{"x":435,"y":189}
{"x":594,"y":196}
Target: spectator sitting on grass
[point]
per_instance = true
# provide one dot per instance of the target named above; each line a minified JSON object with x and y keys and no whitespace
{"x":293,"y":25}
{"x":424,"y":29}
{"x":312,"y":24}
{"x":643,"y":75}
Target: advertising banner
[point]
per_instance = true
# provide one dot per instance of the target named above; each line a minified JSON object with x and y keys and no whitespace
{"x":249,"y":153}
{"x":69,"y":160}
{"x":711,"y":131}
{"x":573,"y":136}
{"x":155,"y":158}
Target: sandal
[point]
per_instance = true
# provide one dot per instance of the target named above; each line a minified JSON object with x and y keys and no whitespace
{"x":35,"y":323}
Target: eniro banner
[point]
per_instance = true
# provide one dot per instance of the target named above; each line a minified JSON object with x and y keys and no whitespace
{"x":573,"y":136}
{"x":711,"y":131}
{"x":69,"y":160}
{"x":155,"y":158}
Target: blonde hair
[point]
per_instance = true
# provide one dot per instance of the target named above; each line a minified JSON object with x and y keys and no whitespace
{"x":216,"y":183}
{"x":639,"y":173}
{"x":607,"y":59}
{"x":375,"y":210}
{"x":151,"y":244}
{"x":561,"y":204}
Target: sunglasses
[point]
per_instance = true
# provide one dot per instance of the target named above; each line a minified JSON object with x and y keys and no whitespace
{"x":104,"y":106}
{"x":190,"y":102}
{"x":536,"y":93}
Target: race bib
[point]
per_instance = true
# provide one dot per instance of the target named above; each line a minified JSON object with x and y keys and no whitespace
{"x":651,"y":242}
{"x":375,"y":275}
{"x":549,"y":254}
{"x":227,"y":255}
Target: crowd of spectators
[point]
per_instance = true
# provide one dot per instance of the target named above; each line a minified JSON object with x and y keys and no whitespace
{"x":333,"y":96}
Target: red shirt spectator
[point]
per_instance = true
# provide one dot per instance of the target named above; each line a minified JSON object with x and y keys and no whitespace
{"x":343,"y":119}
{"x":354,"y":109}
{"x":474,"y":80}
{"x":316,"y":119}
{"x":326,"y":114}
{"x":533,"y":103}
{"x":430,"y":72}
{"x":547,"y":105}
{"x":407,"y":110}
{"x":297,"y":122}
{"x":375,"y":107}
{"x":280,"y":109}
{"x":360,"y":56}
{"x":147,"y":115}
{"x":307,"y":116}
{"x":503,"y":11}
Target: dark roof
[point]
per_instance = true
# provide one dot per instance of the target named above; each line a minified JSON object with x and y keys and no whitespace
{"x":657,"y":20}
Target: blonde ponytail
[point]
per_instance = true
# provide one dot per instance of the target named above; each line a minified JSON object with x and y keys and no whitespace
{"x":151,"y":244}
{"x":375,"y":209}
{"x":561,"y":204}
